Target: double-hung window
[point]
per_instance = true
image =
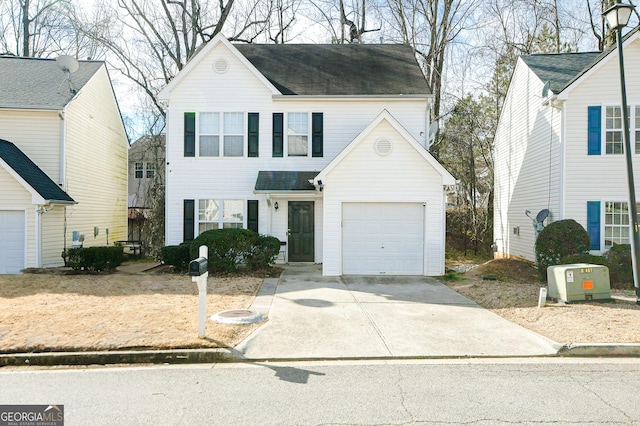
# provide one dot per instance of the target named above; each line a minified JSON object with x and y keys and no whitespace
{"x":221,"y":134}
{"x":218,"y":214}
{"x":616,"y":223}
{"x":139,"y":170}
{"x":637,"y":128}
{"x":151,"y":170}
{"x":613,"y":130}
{"x":298,"y":134}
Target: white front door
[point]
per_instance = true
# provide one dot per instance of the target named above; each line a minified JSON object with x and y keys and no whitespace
{"x":12,"y":242}
{"x":383,"y":238}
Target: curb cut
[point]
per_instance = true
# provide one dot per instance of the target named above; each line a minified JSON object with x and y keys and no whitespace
{"x":600,"y":350}
{"x":179,"y":356}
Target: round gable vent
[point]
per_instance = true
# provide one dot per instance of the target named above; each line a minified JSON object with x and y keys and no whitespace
{"x":220,"y":66}
{"x":383,"y":146}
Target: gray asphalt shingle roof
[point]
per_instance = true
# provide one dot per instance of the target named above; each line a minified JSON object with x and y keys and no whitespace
{"x":338,"y":69}
{"x":285,"y":181}
{"x":32,"y":174}
{"x":559,"y":69}
{"x":33,"y":83}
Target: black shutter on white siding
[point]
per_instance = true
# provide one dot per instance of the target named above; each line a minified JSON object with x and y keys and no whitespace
{"x":317,"y":134}
{"x":189,"y":134}
{"x":188,"y":220}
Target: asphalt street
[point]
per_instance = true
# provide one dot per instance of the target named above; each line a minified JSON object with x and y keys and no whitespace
{"x":478,"y":391}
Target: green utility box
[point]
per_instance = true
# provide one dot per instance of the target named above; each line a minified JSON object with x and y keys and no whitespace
{"x":578,"y":281}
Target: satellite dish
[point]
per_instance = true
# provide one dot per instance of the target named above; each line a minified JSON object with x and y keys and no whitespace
{"x":545,"y":89}
{"x":542,"y":215}
{"x":67,"y":63}
{"x":433,"y":129}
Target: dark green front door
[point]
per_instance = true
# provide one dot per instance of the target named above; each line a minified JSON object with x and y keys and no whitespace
{"x":301,"y":238}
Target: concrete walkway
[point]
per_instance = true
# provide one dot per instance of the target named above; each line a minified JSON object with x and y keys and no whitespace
{"x":316,"y":317}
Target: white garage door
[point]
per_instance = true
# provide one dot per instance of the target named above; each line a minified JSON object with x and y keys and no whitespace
{"x":383,"y":238}
{"x":11,"y":242}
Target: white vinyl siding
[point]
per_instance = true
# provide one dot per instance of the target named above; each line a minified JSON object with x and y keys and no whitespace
{"x":527,"y":161}
{"x":597,"y":177}
{"x":240,"y":90}
{"x":403,"y":176}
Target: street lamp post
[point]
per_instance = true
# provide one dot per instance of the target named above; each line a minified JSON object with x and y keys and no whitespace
{"x":617,"y":17}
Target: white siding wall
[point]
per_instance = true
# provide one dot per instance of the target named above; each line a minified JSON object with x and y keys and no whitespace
{"x":527,"y":162}
{"x":598,"y":177}
{"x":52,"y":231}
{"x":401,"y":176}
{"x":37,"y":134}
{"x":14,"y":196}
{"x":96,"y":147}
{"x":238,"y":90}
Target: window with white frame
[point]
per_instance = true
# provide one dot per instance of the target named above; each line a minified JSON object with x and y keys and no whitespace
{"x":218,"y":214}
{"x":616,"y":223}
{"x":298,"y":134}
{"x":139,"y":170}
{"x":151,"y":170}
{"x":613,"y":130}
{"x":214,"y":127}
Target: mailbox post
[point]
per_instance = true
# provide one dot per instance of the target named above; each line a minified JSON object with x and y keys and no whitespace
{"x":199,"y":274}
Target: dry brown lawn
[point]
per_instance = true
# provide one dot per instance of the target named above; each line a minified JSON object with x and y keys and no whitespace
{"x":54,"y":312}
{"x":514,"y":296}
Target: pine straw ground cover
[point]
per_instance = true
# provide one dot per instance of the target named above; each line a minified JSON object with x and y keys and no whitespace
{"x":59,"y":312}
{"x":514,"y":296}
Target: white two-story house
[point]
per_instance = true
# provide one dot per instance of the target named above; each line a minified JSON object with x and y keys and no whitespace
{"x":321,"y":146}
{"x":559,"y":147}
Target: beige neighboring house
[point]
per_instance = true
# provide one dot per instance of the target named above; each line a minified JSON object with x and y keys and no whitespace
{"x":63,"y":161}
{"x":146,"y":175}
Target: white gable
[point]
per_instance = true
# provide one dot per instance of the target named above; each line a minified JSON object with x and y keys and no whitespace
{"x":217,"y":65}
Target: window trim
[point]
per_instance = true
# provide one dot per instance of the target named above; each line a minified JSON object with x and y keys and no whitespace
{"x":221,"y":216}
{"x":634,"y":128}
{"x":221,"y":134}
{"x":136,"y":169}
{"x":604,"y":225}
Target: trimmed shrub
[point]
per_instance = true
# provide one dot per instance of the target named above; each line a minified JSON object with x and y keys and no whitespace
{"x":620,"y":266}
{"x":227,"y":247}
{"x":105,"y":258}
{"x":557,"y":240}
{"x":177,"y":256}
{"x":264,"y":252}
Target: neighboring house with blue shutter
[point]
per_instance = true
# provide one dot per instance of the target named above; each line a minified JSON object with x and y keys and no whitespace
{"x":562,"y":149}
{"x":63,"y":161}
{"x":321,"y":146}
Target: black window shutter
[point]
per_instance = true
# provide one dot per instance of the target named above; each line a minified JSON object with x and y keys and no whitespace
{"x":316,"y":134}
{"x":189,"y":134}
{"x":278,"y":128}
{"x":253,"y":134}
{"x":252,"y":215}
{"x":189,"y":216}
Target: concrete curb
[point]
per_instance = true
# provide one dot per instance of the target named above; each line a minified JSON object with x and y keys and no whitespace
{"x":600,"y":350}
{"x":178,"y":356}
{"x":206,"y":356}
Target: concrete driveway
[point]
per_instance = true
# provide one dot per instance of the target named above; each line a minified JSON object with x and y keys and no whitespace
{"x":316,"y":317}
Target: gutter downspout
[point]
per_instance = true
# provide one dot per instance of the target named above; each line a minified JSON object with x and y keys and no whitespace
{"x":62,"y":181}
{"x":38,"y":226}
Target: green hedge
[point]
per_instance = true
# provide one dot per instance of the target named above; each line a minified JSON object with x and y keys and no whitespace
{"x":94,"y":258}
{"x":264,"y":252}
{"x":557,"y":240}
{"x":620,"y":266}
{"x":177,"y":256}
{"x":228,"y":247}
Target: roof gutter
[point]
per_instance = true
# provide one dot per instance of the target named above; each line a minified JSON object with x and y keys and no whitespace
{"x":399,"y":97}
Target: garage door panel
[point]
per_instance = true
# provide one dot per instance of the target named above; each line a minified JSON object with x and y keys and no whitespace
{"x":383,"y":238}
{"x":12,"y":243}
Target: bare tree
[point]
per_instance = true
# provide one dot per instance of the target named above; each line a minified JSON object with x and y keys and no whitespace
{"x":40,"y":28}
{"x":149,"y":41}
{"x":430,"y":26}
{"x":340,"y":15}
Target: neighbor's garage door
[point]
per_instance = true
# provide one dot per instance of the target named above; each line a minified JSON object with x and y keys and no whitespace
{"x":382,"y":238}
{"x":11,"y":242}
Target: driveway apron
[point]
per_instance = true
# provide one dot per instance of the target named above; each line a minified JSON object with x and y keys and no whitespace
{"x":316,"y":317}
